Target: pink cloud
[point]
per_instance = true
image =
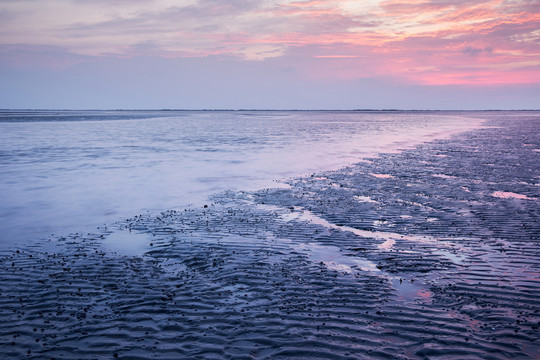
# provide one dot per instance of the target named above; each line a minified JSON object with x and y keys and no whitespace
{"x":417,"y":41}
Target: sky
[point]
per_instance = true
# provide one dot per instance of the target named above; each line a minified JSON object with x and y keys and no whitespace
{"x":270,"y":54}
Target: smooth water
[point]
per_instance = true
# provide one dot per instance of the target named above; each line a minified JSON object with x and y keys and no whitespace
{"x":65,"y":171}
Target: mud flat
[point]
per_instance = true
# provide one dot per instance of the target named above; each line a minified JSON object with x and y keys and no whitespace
{"x":430,"y":253}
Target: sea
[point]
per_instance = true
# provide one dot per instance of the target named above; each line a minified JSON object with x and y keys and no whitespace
{"x":68,"y":171}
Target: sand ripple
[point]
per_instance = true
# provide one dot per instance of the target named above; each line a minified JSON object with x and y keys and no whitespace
{"x":430,"y":267}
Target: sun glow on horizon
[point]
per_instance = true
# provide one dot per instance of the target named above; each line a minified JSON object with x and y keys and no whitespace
{"x":419,"y":42}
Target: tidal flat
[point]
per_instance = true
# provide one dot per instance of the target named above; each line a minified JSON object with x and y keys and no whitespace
{"x":429,"y":253}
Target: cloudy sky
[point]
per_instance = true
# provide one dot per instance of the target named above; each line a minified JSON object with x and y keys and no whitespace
{"x":416,"y":54}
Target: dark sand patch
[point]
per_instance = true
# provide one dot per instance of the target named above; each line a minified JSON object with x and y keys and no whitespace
{"x":424,"y":263}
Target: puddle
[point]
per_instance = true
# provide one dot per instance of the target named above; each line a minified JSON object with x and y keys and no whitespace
{"x":364,"y":199}
{"x":127,"y":243}
{"x":387,"y":244}
{"x":408,"y":291}
{"x":333,"y":258}
{"x":308,"y":216}
{"x":173,"y":266}
{"x":444,"y":176}
{"x":381,"y":176}
{"x":509,"y":195}
{"x":389,"y":238}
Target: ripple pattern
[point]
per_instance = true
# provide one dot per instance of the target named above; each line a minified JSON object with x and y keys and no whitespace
{"x":422,"y":264}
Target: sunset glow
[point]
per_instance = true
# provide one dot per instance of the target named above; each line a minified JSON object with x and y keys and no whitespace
{"x":420,"y":42}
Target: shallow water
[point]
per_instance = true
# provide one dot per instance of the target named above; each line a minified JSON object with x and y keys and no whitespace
{"x":68,"y":171}
{"x":338,"y":265}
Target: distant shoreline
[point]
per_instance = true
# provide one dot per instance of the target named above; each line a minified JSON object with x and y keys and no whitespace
{"x":284,"y":110}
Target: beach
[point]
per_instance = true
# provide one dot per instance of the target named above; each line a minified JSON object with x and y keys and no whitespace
{"x":71,"y":171}
{"x":430,"y":252}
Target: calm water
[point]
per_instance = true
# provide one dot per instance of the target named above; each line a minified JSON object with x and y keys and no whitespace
{"x":64,"y":172}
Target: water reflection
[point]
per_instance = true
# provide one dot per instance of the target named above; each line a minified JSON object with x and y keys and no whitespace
{"x":68,"y":171}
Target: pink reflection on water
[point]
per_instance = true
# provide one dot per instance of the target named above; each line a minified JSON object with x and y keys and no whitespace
{"x":387,"y":244}
{"x":509,"y":195}
{"x":425,"y":294}
{"x":381,"y":176}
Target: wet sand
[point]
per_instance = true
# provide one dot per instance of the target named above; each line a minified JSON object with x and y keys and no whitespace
{"x":429,"y":253}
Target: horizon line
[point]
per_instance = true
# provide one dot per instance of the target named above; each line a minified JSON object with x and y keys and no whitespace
{"x":256,"y":109}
